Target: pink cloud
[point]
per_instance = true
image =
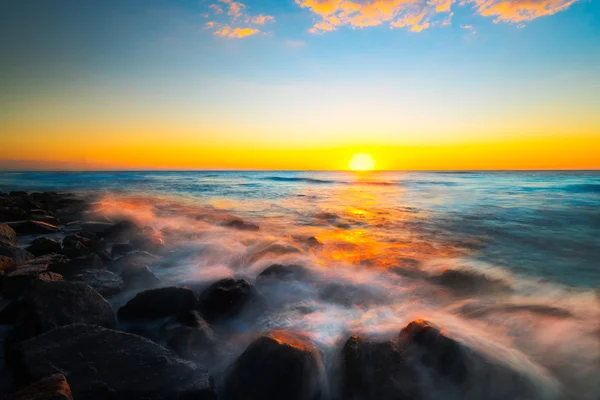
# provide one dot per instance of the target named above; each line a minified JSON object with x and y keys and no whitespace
{"x":236,"y":23}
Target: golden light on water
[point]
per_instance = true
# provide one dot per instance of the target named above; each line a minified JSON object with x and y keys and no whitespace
{"x":361,"y":162}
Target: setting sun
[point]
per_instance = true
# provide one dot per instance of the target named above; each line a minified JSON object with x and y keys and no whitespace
{"x":361,"y":162}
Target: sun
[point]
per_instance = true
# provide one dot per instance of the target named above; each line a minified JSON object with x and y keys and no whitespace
{"x":361,"y":162}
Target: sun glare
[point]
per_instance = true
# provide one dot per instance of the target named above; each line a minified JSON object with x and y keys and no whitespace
{"x":361,"y":162}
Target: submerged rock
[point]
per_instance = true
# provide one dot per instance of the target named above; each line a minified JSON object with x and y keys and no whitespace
{"x":282,"y":365}
{"x":41,"y":246}
{"x":282,"y":272}
{"x":463,"y":282}
{"x":241,"y":225}
{"x":53,"y":387}
{"x":229,"y":298}
{"x":105,"y":364}
{"x":159,"y":303}
{"x":49,"y":305}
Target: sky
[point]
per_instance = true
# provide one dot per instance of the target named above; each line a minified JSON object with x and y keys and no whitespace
{"x":299,"y":84}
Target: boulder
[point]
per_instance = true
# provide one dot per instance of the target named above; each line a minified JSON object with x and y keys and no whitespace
{"x":11,"y":214}
{"x":8,"y":235}
{"x":241,"y":225}
{"x":33,"y":227}
{"x":348,"y":295}
{"x":10,"y":313}
{"x":377,"y":370}
{"x":75,"y":249}
{"x":139,"y":277}
{"x":53,"y":387}
{"x":121,"y":248}
{"x":104,"y":282}
{"x":313,"y":242}
{"x":17,"y":254}
{"x":278,"y":272}
{"x":97,"y":227}
{"x":17,"y":281}
{"x":159,"y":303}
{"x":189,"y":336}
{"x":140,"y":259}
{"x":282,"y":365}
{"x":103,"y":364}
{"x":229,"y":298}
{"x":41,"y":246}
{"x":122,"y":231}
{"x":465,"y":282}
{"x":49,"y":305}
{"x":69,"y":268}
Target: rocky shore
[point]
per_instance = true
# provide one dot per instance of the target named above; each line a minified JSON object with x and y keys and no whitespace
{"x":63,"y":268}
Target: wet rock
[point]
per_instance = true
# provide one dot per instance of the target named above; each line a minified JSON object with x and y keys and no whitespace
{"x":11,"y":214}
{"x":7,"y":264}
{"x":41,"y":246}
{"x":348,"y":294}
{"x":463,"y":282}
{"x":49,"y":305}
{"x":159,"y":303}
{"x":105,"y":364}
{"x":241,"y":225}
{"x":121,"y":248}
{"x":32,"y":227}
{"x":122,"y":231}
{"x":17,"y":254}
{"x":17,"y":281}
{"x":53,"y":387}
{"x":140,"y":259}
{"x":75,"y":249}
{"x":377,"y":370}
{"x":139,"y":277}
{"x":104,"y":256}
{"x":274,"y":249}
{"x":69,"y":268}
{"x":17,"y":193}
{"x":278,"y":272}
{"x":313,"y":242}
{"x":229,"y":298}
{"x":8,"y":235}
{"x":189,"y":336}
{"x":282,"y":365}
{"x":104,"y":282}
{"x":97,"y":227}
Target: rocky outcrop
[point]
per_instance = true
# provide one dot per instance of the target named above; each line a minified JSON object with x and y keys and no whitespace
{"x":281,"y":365}
{"x":103,"y":364}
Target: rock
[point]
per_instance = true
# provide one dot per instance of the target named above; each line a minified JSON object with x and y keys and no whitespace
{"x":43,"y":246}
{"x":104,"y":282}
{"x":282,"y":365}
{"x":159,"y":303}
{"x":53,"y":387}
{"x":49,"y":305}
{"x":121,"y":248}
{"x":11,"y":214}
{"x":98,"y":227}
{"x":279,"y":272}
{"x":274,"y":249}
{"x":139,"y":277}
{"x":464,"y":282}
{"x":7,"y":264}
{"x":17,"y":193}
{"x":75,"y":249}
{"x":69,"y":268}
{"x":348,"y":294}
{"x":241,"y":225}
{"x":122,"y":231}
{"x":229,"y":298}
{"x":17,"y":281}
{"x":140,"y":258}
{"x":148,"y":240}
{"x":313,"y":242}
{"x":8,"y":235}
{"x":105,"y":364}
{"x":32,"y":227}
{"x":377,"y":370}
{"x":104,"y":256}
{"x":17,"y":254}
{"x":10,"y":313}
{"x":189,"y":336}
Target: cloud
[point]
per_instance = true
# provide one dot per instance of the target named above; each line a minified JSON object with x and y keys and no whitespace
{"x":418,"y":15}
{"x":469,"y":28}
{"x":235,"y":33}
{"x":295,"y":43}
{"x":235,"y":23}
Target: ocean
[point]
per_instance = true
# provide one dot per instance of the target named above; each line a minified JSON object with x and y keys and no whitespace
{"x":508,"y":262}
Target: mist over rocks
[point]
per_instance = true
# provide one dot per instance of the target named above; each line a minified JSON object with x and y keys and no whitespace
{"x":230,"y":298}
{"x":106,"y":364}
{"x":159,"y":303}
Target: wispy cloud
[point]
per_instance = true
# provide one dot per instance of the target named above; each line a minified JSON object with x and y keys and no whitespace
{"x":469,"y":28}
{"x":232,"y":21}
{"x":418,"y":15}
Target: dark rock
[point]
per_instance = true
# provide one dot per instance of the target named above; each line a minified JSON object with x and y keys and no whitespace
{"x":31,"y":227}
{"x":10,"y":214}
{"x":97,"y":227}
{"x":104,"y":364}
{"x":241,"y":225}
{"x":76,"y":249}
{"x":140,"y":259}
{"x":54,"y":387}
{"x":104,"y":256}
{"x":274,"y":249}
{"x":49,"y":305}
{"x":313,"y":242}
{"x":16,"y":253}
{"x":282,"y":365}
{"x":121,"y":248}
{"x":41,"y":246}
{"x":7,"y":264}
{"x":463,"y":282}
{"x":283,"y":272}
{"x":348,"y":294}
{"x":139,"y":277}
{"x":229,"y":298}
{"x":8,"y":235}
{"x":69,"y":268}
{"x":39,"y":211}
{"x":377,"y":370}
{"x":122,"y":231}
{"x":189,"y":336}
{"x":159,"y":303}
{"x":17,"y":193}
{"x":104,"y":282}
{"x":17,"y":281}
{"x":10,"y":313}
